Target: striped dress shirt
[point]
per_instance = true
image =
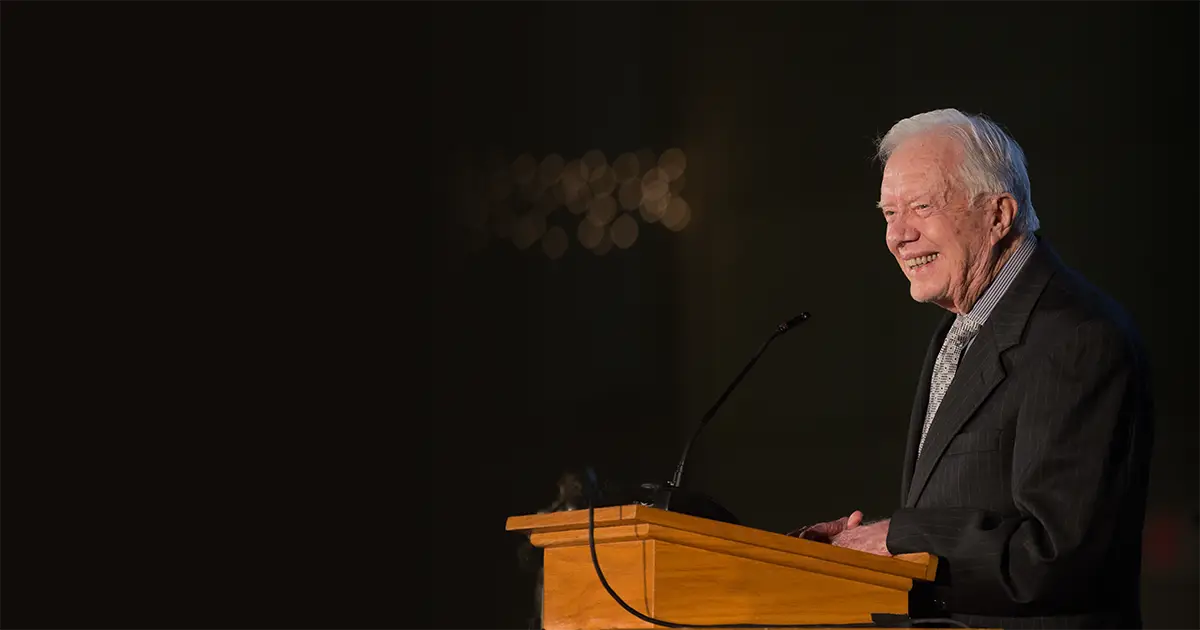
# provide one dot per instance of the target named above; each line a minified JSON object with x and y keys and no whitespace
{"x":984,"y":305}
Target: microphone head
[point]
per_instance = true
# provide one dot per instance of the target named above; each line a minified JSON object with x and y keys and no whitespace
{"x":784,"y":327}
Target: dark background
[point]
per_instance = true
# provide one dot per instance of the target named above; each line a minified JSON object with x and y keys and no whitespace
{"x":611,"y":359}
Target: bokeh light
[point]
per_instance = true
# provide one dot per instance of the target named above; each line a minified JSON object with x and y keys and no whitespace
{"x":678,"y":214}
{"x":604,"y":184}
{"x":604,"y":245}
{"x":627,"y":167}
{"x":545,"y":203}
{"x":514,"y":199}
{"x":589,"y":234}
{"x":581,"y":203}
{"x":601,"y":211}
{"x":624,"y":231}
{"x":655,"y":184}
{"x":672,"y":162}
{"x":630,"y":195}
{"x":594,"y":164}
{"x":652,"y":211}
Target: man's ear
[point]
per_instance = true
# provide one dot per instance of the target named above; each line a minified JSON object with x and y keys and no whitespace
{"x":1003,"y":211}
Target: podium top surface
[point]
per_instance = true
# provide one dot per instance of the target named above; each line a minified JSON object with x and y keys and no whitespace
{"x":919,"y":566}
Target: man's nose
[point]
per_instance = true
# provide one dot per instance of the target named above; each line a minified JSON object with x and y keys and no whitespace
{"x":900,"y":231}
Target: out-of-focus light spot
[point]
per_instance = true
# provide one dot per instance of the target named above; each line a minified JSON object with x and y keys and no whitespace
{"x":575,"y":169}
{"x":627,"y":167}
{"x":655,"y":184}
{"x":512,"y":200}
{"x":630,"y":194}
{"x":527,"y":230}
{"x":604,"y":245}
{"x":523,"y":169}
{"x":594,"y":164}
{"x":605,"y":183}
{"x":550,"y":169}
{"x":673,"y":162}
{"x":601,"y":211}
{"x":624,"y":231}
{"x":589,"y":234}
{"x":652,"y":211}
{"x":678,"y":214}
{"x":555,"y":242}
{"x":545,"y":203}
{"x":574,"y":189}
{"x":581,"y":203}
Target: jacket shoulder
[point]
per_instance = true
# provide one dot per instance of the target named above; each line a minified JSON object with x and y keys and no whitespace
{"x":1070,"y":302}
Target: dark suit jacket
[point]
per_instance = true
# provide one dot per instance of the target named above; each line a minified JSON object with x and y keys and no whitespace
{"x":1031,"y":487}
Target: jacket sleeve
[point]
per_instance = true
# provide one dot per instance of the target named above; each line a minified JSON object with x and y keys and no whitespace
{"x":1081,"y":435}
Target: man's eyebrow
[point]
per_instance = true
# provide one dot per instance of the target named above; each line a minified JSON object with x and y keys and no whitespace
{"x":879,"y":204}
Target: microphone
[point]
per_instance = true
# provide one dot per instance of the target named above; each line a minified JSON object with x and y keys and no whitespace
{"x":695,"y":503}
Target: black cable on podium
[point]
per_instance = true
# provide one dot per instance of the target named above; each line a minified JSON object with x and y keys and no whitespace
{"x":891,"y":620}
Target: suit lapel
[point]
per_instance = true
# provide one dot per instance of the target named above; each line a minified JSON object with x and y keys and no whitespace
{"x":978,"y":374}
{"x":980,"y":370}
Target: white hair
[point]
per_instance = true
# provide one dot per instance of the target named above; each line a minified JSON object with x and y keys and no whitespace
{"x":992,"y":161}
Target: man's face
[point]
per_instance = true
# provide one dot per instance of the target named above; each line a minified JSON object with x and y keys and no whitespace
{"x":941,"y":244}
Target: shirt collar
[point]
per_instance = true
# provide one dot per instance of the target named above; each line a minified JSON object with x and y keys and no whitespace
{"x":984,"y":305}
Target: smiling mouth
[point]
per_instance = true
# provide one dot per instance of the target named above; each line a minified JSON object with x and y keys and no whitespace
{"x":920,"y":261}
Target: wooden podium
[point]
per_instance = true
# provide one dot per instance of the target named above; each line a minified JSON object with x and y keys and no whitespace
{"x":683,"y":569}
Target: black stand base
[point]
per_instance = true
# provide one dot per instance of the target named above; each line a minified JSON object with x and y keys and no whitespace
{"x":668,"y":497}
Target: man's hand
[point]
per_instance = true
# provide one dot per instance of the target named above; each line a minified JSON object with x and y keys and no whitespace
{"x":871,"y":538}
{"x":825,"y":532}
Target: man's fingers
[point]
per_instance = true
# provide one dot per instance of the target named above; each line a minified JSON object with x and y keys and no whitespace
{"x":815,"y":536}
{"x":834,"y":527}
{"x":822,"y":532}
{"x":854,"y":520}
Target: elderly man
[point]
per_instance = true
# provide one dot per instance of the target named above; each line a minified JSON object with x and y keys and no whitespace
{"x":1026,"y":465}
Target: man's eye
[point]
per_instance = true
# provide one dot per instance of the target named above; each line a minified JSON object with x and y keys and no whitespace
{"x":921,"y":206}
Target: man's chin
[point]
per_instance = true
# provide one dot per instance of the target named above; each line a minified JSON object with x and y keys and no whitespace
{"x":923,"y":294}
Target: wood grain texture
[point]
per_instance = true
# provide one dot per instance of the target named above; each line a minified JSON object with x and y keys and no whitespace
{"x":918,"y":566}
{"x":684,"y":569}
{"x":576,"y":600}
{"x":699,"y":586}
{"x":645,"y":531}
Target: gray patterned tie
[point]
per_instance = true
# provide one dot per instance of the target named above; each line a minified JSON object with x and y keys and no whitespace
{"x":944,"y":368}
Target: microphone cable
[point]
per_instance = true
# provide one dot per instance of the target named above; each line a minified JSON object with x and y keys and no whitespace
{"x":671,"y":624}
